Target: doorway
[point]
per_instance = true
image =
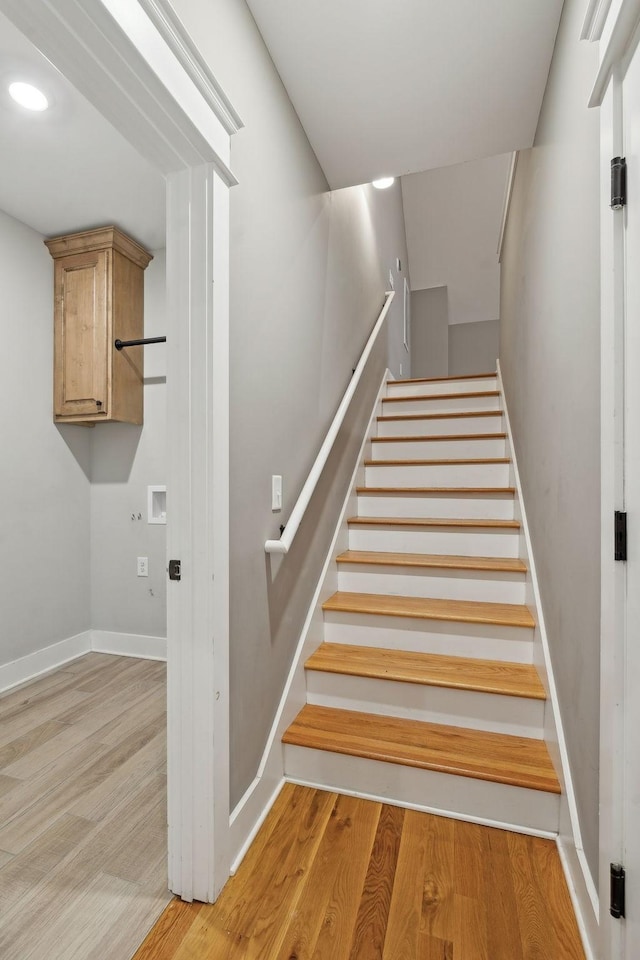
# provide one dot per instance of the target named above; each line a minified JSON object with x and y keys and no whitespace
{"x":98,"y":45}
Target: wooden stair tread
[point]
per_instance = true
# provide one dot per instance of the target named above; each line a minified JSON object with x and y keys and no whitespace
{"x":442,"y":396}
{"x":433,"y":561}
{"x":429,"y":669}
{"x":431,"y":438}
{"x":496,"y":757}
{"x":455,"y":491}
{"x":463,"y":376}
{"x":455,"y":415}
{"x":429,"y":608}
{"x":457,"y":462}
{"x":472,"y":522}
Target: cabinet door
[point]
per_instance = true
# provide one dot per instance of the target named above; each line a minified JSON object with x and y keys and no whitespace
{"x":81,"y":332}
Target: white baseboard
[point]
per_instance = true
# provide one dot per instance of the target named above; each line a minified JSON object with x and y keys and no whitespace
{"x":582,"y":892}
{"x":27,"y":668}
{"x":251,"y":810}
{"x":249,"y":815}
{"x":129,"y":645}
{"x":21,"y":671}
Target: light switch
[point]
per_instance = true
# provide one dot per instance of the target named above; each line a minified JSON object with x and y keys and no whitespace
{"x":276,"y":493}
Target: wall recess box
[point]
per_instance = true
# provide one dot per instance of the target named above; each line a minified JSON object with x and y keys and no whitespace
{"x":157,"y":504}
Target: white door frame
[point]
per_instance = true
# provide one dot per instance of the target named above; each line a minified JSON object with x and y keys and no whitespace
{"x":135,"y":62}
{"x":615,"y":25}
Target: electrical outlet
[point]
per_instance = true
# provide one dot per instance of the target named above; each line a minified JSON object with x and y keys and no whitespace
{"x":143,"y":566}
{"x":276,"y":493}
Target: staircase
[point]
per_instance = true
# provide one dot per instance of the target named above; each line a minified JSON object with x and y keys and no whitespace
{"x":424,"y":691}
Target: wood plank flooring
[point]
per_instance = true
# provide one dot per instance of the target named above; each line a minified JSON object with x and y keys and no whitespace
{"x":332,"y":877}
{"x":83,"y":810}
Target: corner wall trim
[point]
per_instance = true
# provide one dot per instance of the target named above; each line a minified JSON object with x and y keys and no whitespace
{"x":27,"y":668}
{"x":506,"y":203}
{"x":129,"y":645}
{"x":594,"y":19}
{"x":181,"y":44}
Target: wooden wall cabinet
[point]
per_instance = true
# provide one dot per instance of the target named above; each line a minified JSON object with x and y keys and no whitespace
{"x":99,"y":298}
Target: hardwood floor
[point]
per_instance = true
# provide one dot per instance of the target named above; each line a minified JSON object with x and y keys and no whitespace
{"x":82,"y":810}
{"x":333,"y":877}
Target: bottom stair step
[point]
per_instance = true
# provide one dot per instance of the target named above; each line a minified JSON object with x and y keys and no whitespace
{"x":499,"y":758}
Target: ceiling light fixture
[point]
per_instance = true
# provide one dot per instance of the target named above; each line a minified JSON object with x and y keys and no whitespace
{"x":28,"y":96}
{"x":383,"y":183}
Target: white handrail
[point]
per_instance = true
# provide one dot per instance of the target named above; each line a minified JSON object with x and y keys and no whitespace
{"x":284,"y":543}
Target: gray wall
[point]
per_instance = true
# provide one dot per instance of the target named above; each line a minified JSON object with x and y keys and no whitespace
{"x":44,"y":485}
{"x":125,"y":459}
{"x":473,"y":347}
{"x":68,"y":540}
{"x":550,"y":357}
{"x":429,"y":333}
{"x":308,"y":273}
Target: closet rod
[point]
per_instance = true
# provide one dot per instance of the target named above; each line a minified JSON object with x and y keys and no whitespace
{"x":119,"y":344}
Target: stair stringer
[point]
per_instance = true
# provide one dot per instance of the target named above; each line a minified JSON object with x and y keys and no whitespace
{"x":583,"y":891}
{"x":250,"y":812}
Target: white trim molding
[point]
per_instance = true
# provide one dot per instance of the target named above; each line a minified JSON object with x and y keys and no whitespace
{"x":198,"y":533}
{"x":506,"y":203}
{"x":129,"y":645}
{"x":622,"y":40}
{"x":594,"y":19}
{"x":174,"y":34}
{"x":33,"y":665}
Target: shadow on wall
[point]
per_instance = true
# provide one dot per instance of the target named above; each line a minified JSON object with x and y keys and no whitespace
{"x":78,"y":440}
{"x":111,"y":459}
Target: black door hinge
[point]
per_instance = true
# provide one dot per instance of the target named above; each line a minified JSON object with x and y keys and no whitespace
{"x":618,"y":183}
{"x":616,"y":908}
{"x":620,"y":535}
{"x":174,"y":570}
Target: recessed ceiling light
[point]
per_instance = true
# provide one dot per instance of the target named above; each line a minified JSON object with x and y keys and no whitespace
{"x":383,"y":183}
{"x":28,"y":96}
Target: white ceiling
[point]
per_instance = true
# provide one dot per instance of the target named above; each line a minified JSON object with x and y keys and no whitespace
{"x":397,"y":86}
{"x":452,"y":219}
{"x":68,"y":169}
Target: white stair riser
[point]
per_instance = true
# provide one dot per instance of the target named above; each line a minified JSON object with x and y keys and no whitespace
{"x":493,"y":506}
{"x":438,"y":475}
{"x":439,"y":426}
{"x":481,"y":640}
{"x":422,"y":404}
{"x":487,"y":586}
{"x":518,"y":716}
{"x":461,"y":542}
{"x":435,"y":449}
{"x":442,"y":793}
{"x":404,"y":388}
